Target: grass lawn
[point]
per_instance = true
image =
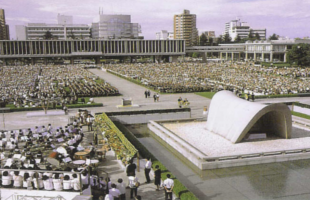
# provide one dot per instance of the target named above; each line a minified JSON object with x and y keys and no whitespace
{"x":300,"y":115}
{"x":208,"y":95}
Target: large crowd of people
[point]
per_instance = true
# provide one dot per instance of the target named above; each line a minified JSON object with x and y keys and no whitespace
{"x":195,"y":77}
{"x":28,"y":85}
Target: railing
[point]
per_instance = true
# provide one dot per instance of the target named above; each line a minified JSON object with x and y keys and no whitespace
{"x":30,"y":197}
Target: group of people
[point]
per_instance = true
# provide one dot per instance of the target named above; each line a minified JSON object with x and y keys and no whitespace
{"x":27,"y":86}
{"x":183,"y":103}
{"x":195,"y":77}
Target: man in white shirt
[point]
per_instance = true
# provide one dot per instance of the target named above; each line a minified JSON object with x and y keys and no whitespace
{"x":132,"y":184}
{"x":17,"y":180}
{"x":114,"y":192}
{"x":147,"y":169}
{"x":168,"y":184}
{"x":75,"y":183}
{"x":121,"y":186}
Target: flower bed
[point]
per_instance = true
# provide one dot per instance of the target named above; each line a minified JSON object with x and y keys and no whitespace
{"x":123,"y":149}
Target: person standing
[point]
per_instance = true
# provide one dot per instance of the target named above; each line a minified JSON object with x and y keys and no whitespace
{"x":157,"y":176}
{"x":147,"y":169}
{"x":148,"y":93}
{"x":145,"y":93}
{"x":168,"y":185}
{"x":155,"y":97}
{"x":122,"y":188}
{"x":180,"y":102}
{"x":133,"y":185}
{"x":89,"y":121}
{"x":114,"y":192}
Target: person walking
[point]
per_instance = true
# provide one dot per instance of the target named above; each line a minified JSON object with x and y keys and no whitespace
{"x":155,"y":97}
{"x":180,"y":102}
{"x":148,"y":93}
{"x":147,"y":169}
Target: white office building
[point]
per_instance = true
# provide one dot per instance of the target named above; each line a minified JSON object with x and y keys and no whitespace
{"x":164,"y":35}
{"x":115,"y":27}
{"x":242,"y":29}
{"x":65,"y":29}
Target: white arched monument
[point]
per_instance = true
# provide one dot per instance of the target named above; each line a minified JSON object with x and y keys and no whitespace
{"x":233,"y":118}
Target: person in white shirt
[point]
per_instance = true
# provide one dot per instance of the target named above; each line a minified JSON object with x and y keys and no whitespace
{"x":114,"y":192}
{"x":57,"y":181}
{"x":108,"y":197}
{"x":6,"y":180}
{"x":84,"y":178}
{"x":37,"y":179}
{"x":121,"y":186}
{"x":48,"y":183}
{"x":17,"y":180}
{"x":75,"y":183}
{"x":168,"y":184}
{"x":67,"y":183}
{"x":27,"y":181}
{"x":133,"y":185}
{"x":147,"y":169}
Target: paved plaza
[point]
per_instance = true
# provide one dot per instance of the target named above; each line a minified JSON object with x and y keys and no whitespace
{"x":287,"y":180}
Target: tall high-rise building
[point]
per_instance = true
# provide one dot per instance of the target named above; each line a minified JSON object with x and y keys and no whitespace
{"x":185,"y":28}
{"x":242,"y":29}
{"x":4,"y":28}
{"x":115,"y":27}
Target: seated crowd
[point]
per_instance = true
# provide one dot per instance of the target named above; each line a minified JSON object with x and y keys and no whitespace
{"x":195,"y":77}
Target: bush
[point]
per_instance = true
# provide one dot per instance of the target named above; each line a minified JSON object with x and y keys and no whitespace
{"x":179,"y":189}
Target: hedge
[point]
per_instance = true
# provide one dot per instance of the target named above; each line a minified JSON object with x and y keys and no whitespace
{"x":300,"y":115}
{"x":57,"y":107}
{"x":282,"y":95}
{"x":179,"y":189}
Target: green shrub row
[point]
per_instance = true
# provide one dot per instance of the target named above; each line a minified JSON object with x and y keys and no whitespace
{"x":57,"y":107}
{"x":179,"y":189}
{"x":300,"y":115}
{"x":301,"y":105}
{"x":282,"y":95}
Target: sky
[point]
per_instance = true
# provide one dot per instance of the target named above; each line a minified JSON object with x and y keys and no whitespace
{"x":288,"y":18}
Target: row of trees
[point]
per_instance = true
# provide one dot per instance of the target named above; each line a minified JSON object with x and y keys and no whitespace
{"x":299,"y":55}
{"x":48,"y":36}
{"x":205,"y":41}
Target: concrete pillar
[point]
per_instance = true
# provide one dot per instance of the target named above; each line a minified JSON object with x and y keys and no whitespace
{"x":284,"y":59}
{"x":263,"y":57}
{"x":33,"y":61}
{"x":226,"y":55}
{"x":232,"y":56}
{"x":71,"y":60}
{"x":153,"y":59}
{"x":246,"y":55}
{"x":204,"y":58}
{"x":45,"y":61}
{"x":97,"y":60}
{"x":271,"y":56}
{"x":130,"y":59}
{"x":254,"y":56}
{"x":221,"y":55}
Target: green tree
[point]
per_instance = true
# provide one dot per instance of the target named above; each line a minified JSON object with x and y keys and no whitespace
{"x":220,"y":39}
{"x":273,"y":37}
{"x":227,"y":38}
{"x":211,"y":41}
{"x":203,"y":40}
{"x":250,"y":36}
{"x":237,"y":39}
{"x":257,"y":37}
{"x":299,"y":54}
{"x":48,"y":35}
